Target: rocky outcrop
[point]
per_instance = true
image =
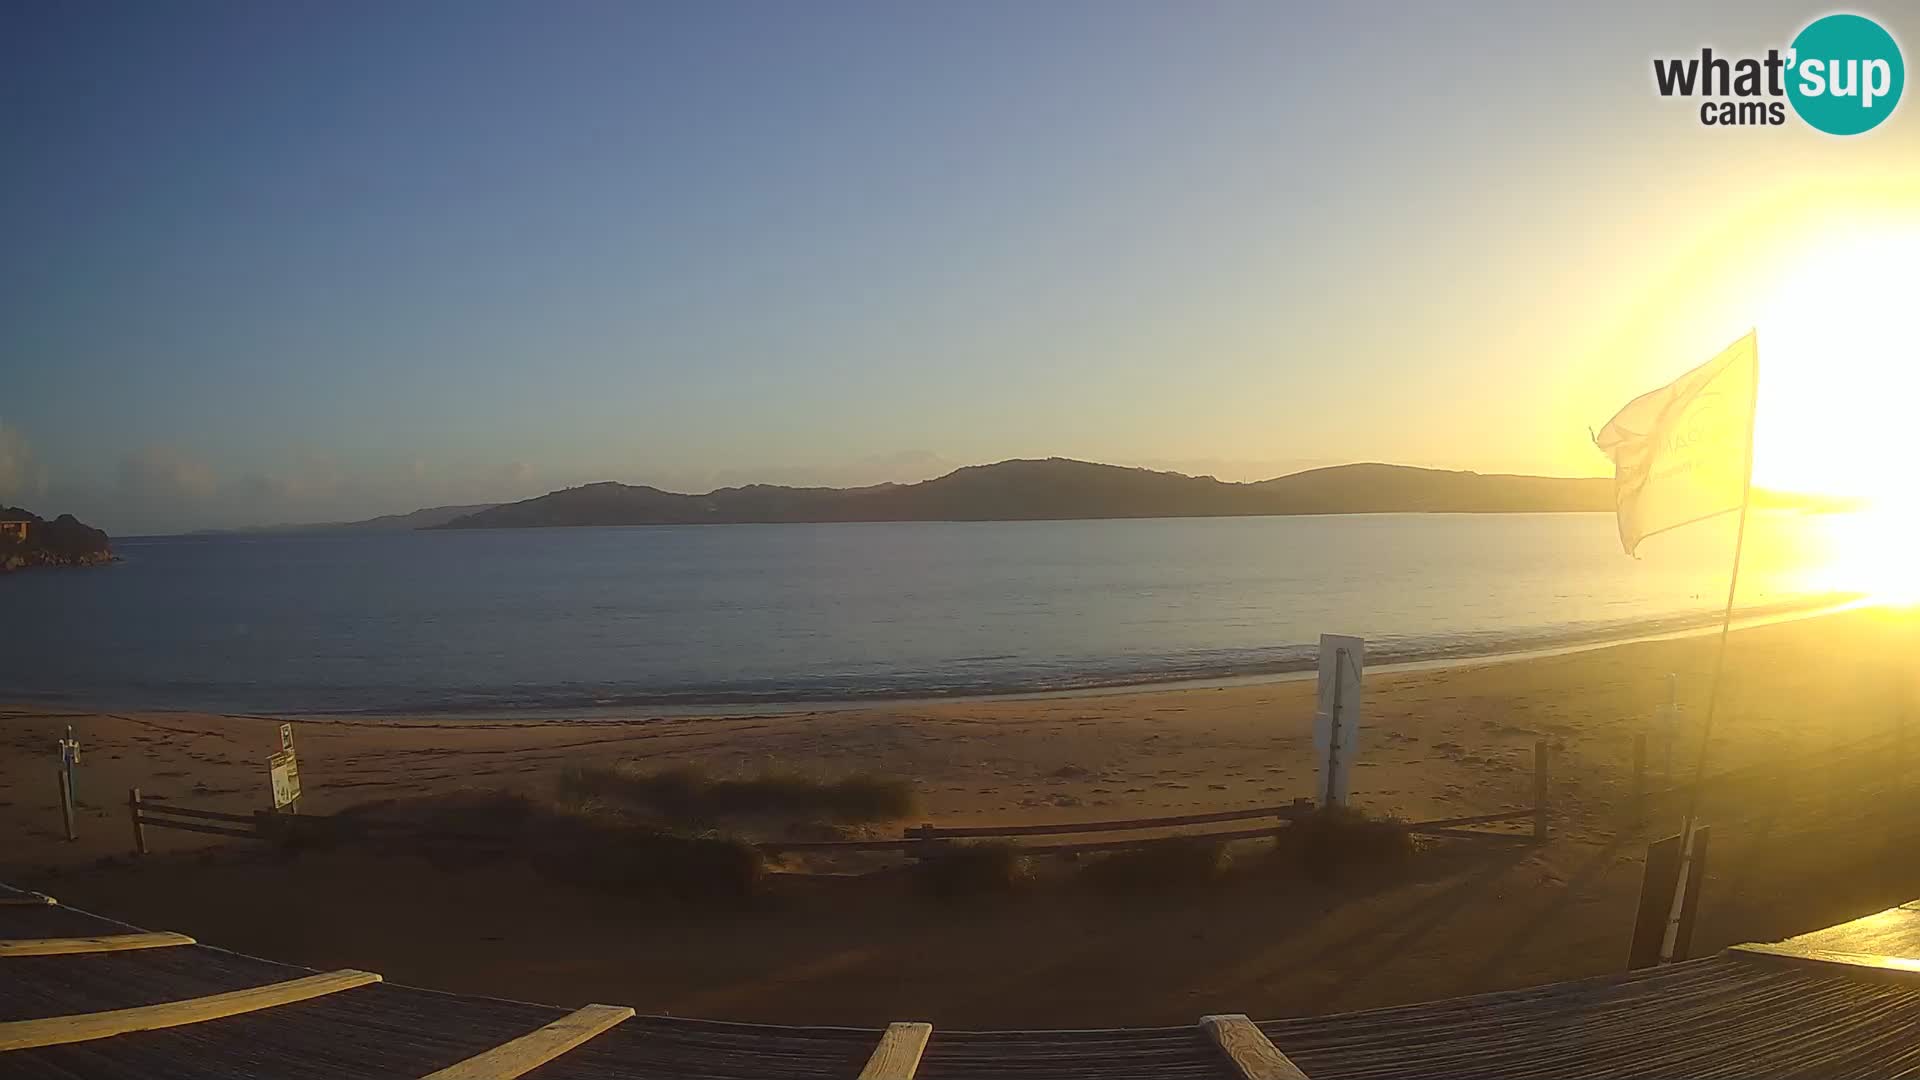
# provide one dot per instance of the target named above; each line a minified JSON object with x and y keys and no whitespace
{"x":64,"y":541}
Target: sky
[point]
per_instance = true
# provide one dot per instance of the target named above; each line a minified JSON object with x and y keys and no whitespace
{"x":300,"y":262}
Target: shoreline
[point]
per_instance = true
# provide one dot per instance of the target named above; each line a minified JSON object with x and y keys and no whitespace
{"x":1147,"y":684}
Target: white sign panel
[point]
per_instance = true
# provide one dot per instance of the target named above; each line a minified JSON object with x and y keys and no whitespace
{"x":1336,"y":717}
{"x":285,"y":772}
{"x":286,"y":737}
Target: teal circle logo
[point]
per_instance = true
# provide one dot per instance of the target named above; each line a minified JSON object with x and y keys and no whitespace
{"x":1845,"y":74}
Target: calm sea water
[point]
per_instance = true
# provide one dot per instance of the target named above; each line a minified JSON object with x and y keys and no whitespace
{"x":574,"y":618}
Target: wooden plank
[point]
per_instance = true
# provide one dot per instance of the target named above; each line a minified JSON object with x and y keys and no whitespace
{"x":536,"y":1048}
{"x":1247,"y":1047}
{"x":80,"y":1027}
{"x":1474,"y":819}
{"x":1690,"y":896}
{"x":1657,"y":883}
{"x":66,"y":946}
{"x":938,"y":848}
{"x":190,"y":826}
{"x":1473,"y":834}
{"x":777,"y":846}
{"x":1897,"y":968}
{"x":928,"y":832}
{"x":897,"y":1056}
{"x":150,"y":810}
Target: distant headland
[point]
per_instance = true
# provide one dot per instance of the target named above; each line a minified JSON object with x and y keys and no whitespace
{"x":1049,"y":489}
{"x":1059,"y":489}
{"x":29,"y":540}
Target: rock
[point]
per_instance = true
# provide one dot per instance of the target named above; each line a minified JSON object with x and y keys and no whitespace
{"x":64,"y":541}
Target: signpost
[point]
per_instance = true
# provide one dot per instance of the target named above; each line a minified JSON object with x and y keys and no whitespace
{"x":69,"y":757}
{"x":283,"y":771}
{"x":1336,"y":720}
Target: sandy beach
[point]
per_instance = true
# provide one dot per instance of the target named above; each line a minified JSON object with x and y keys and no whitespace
{"x":843,"y":949}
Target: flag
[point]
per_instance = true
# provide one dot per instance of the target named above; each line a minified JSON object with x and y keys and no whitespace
{"x":1684,"y":453}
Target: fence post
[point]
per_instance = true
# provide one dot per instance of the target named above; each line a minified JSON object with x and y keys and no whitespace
{"x":66,"y":802}
{"x":139,"y":830}
{"x":922,"y":846}
{"x":1540,"y":790}
{"x":1637,"y":813}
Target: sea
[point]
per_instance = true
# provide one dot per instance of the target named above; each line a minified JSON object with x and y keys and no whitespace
{"x":572,"y":620}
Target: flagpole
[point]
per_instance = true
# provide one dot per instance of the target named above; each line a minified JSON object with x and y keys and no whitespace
{"x":1719,"y":667}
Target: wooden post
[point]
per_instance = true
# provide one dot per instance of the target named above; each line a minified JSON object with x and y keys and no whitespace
{"x":139,"y":830}
{"x":1540,"y":791}
{"x":66,"y":802}
{"x":1637,"y":812}
{"x":1333,"y":731}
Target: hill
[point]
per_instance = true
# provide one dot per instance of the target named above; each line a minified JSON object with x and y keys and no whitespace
{"x":64,"y":541}
{"x":425,"y":518}
{"x":1058,"y":489}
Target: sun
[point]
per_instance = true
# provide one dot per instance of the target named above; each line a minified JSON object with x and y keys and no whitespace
{"x":1839,"y":401}
{"x":1839,"y":342}
{"x":1873,"y":552}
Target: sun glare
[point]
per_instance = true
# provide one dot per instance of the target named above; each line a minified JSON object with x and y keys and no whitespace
{"x":1838,"y":410}
{"x":1873,"y":552}
{"x":1840,"y":368}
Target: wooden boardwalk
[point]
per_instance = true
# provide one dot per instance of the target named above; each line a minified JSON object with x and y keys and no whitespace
{"x":75,"y":1003}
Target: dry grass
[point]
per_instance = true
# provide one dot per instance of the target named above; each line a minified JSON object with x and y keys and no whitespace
{"x":1334,"y":839}
{"x":691,"y":795}
{"x":967,"y":870}
{"x":1159,"y":867}
{"x":584,"y":845}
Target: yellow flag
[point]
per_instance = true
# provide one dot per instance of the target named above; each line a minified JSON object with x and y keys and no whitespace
{"x":1684,"y":453}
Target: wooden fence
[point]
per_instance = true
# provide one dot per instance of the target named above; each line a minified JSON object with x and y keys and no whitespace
{"x":930,"y":841}
{"x":165,"y":815}
{"x":919,"y":842}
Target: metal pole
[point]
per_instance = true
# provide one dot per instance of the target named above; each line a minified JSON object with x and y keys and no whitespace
{"x":71,"y":754}
{"x":1719,"y":668}
{"x":66,"y":803}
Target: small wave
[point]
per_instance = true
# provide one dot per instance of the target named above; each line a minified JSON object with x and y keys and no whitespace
{"x":1059,"y":678}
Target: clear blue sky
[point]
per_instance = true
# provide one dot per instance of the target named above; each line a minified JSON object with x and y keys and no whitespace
{"x":308,"y":261}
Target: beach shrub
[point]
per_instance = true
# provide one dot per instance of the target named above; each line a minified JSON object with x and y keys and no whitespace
{"x":1337,"y":838}
{"x":639,"y":860}
{"x":593,"y":845}
{"x":1156,"y":867}
{"x":689,"y":794}
{"x":963,"y":870}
